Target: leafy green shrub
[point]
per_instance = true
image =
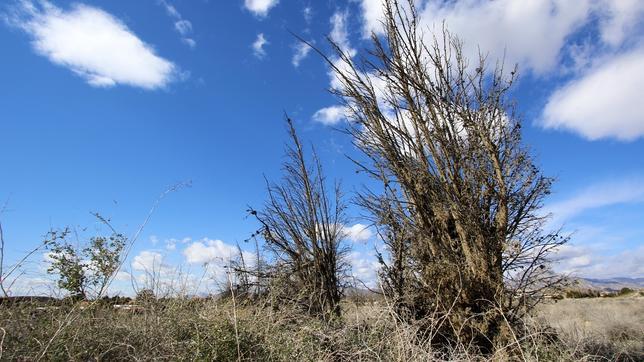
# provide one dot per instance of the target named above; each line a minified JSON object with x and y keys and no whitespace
{"x":84,"y":272}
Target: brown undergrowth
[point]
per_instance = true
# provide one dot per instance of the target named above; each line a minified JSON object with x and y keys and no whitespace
{"x":209,"y":329}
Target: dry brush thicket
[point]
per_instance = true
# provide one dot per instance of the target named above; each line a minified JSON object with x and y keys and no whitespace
{"x":302,"y":226}
{"x":220,"y":330}
{"x":459,"y":210}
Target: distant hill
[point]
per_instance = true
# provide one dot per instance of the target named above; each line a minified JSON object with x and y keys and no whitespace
{"x":612,"y":284}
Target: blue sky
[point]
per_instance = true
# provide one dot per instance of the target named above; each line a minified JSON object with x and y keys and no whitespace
{"x":104,"y":104}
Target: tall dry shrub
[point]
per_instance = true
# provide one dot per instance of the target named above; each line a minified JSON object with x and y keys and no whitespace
{"x":460,"y":208}
{"x":302,"y":225}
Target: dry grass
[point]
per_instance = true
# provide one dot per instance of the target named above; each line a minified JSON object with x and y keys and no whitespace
{"x":612,"y":328}
{"x":207,"y":329}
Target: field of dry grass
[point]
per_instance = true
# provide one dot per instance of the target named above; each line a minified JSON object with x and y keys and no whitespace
{"x":609,"y":327}
{"x":183,"y":329}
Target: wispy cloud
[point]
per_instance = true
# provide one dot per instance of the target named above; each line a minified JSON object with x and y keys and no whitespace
{"x":597,"y":196}
{"x":170,"y":9}
{"x":330,"y":115}
{"x":184,"y":27}
{"x":339,"y":31}
{"x":308,"y":14}
{"x":358,"y":232}
{"x":260,"y":7}
{"x":619,"y":20}
{"x":93,"y":44}
{"x":171,"y":244}
{"x":258,"y":46}
{"x":181,"y":25}
{"x":364,"y":267}
{"x":595,"y":262}
{"x":154,"y":240}
{"x":599,"y":250}
{"x":301,"y":51}
{"x":340,"y":36}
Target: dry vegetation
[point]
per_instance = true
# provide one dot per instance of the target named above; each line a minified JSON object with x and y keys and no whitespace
{"x":465,"y":268}
{"x":605,"y":329}
{"x":609,"y":327}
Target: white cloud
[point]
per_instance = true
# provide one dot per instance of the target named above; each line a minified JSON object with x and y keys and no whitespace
{"x":621,"y":17}
{"x":151,"y":271}
{"x":604,"y":102}
{"x":358,"y":233}
{"x":301,"y":51}
{"x":148,"y":261}
{"x":530,"y":33}
{"x":594,"y":262}
{"x":184,"y":27}
{"x":597,"y":196}
{"x":189,"y":42}
{"x":29,"y":285}
{"x":340,"y":36}
{"x":171,"y":244}
{"x":628,"y":263}
{"x":260,"y":7}
{"x":258,"y":46}
{"x":584,"y":38}
{"x":308,"y":14}
{"x":170,"y":9}
{"x":364,"y":268}
{"x":215,"y":256}
{"x":596,"y":250}
{"x":330,"y":115}
{"x":371,"y":16}
{"x":123,"y":276}
{"x":339,"y":33}
{"x":569,"y":257}
{"x":208,"y":250}
{"x":94,"y":45}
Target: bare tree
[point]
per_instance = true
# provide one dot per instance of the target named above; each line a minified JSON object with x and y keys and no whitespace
{"x":459,"y":211}
{"x":302,"y":224}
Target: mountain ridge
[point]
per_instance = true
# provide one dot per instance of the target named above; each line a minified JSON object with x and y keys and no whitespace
{"x":612,"y":284}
